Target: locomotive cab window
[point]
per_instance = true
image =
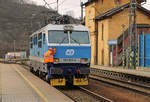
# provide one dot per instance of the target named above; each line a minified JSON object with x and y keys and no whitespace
{"x":57,"y":37}
{"x":80,"y":37}
{"x":61,"y":37}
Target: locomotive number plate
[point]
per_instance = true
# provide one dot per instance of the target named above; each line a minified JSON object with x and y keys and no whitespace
{"x":70,"y":60}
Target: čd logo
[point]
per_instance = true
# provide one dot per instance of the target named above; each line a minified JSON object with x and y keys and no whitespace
{"x":70,"y":52}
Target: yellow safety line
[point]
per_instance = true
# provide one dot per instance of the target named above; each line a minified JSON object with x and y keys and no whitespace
{"x":35,"y":89}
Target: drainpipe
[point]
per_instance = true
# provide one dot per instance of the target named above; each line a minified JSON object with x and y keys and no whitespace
{"x":143,"y":49}
{"x":116,"y":55}
{"x":123,"y":44}
{"x":112,"y":55}
{"x":108,"y":55}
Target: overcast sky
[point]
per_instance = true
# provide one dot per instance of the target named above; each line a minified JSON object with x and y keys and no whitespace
{"x":71,"y":6}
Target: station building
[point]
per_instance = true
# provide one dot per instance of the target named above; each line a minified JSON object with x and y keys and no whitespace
{"x":105,"y":20}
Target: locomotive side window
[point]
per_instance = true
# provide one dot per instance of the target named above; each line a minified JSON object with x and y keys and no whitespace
{"x":40,"y":44}
{"x":39,"y":36}
{"x":35,"y":40}
{"x":31,"y":45}
{"x":30,"y":39}
{"x":31,"y":42}
{"x":44,"y":39}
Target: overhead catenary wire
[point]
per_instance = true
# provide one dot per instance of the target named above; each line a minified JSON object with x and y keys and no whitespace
{"x":56,"y":2}
{"x":58,"y":5}
{"x":48,"y":4}
{"x":62,"y":2}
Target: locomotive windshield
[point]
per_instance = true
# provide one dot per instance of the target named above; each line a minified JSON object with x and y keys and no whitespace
{"x":61,"y":37}
{"x":57,"y":37}
{"x":81,"y":37}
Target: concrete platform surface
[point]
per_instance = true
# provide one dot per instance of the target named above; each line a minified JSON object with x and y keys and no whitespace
{"x":19,"y":85}
{"x":138,"y":72}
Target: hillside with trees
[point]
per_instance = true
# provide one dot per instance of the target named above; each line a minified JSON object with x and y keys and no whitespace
{"x":18,"y":19}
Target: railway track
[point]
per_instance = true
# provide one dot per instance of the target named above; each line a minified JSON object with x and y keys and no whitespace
{"x":121,"y":80}
{"x":101,"y":98}
{"x":80,"y":94}
{"x":84,"y":94}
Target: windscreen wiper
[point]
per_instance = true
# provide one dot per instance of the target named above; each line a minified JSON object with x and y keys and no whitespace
{"x":75,"y":40}
{"x":62,"y":40}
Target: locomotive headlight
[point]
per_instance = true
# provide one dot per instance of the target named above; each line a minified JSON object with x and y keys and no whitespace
{"x":83,"y":60}
{"x":56,"y":60}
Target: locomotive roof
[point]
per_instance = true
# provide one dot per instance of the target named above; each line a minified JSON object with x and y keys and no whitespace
{"x":76,"y":27}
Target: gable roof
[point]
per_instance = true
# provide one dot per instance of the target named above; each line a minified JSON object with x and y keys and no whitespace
{"x":119,"y":9}
{"x":120,"y":38}
{"x":88,"y":2}
{"x":140,"y":1}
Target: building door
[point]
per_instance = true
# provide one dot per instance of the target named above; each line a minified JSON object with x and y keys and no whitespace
{"x":144,"y":50}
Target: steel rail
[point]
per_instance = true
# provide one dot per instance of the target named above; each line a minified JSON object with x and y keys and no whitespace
{"x":125,"y":84}
{"x":103,"y":99}
{"x":97,"y":96}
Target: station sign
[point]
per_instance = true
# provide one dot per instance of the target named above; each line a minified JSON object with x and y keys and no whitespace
{"x":112,"y":42}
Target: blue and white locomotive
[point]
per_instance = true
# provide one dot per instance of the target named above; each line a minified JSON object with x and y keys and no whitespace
{"x":73,"y":53}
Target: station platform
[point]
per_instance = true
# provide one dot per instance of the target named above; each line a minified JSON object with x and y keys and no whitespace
{"x":19,"y":85}
{"x":143,"y":72}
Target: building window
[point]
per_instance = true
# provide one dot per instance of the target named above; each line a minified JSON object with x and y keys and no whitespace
{"x":117,"y":2}
{"x":89,"y":19}
{"x":102,"y":1}
{"x":102,"y":31}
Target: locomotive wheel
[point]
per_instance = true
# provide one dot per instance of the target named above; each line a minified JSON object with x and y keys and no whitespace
{"x":31,"y":69}
{"x":47,"y":79}
{"x":37,"y":73}
{"x":40,"y":74}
